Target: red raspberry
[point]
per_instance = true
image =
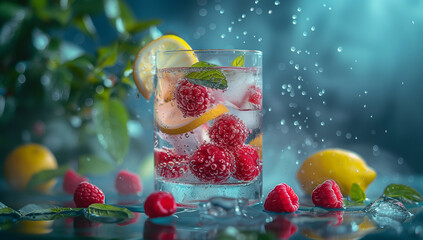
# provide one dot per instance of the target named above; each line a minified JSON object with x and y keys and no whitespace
{"x":170,"y":165}
{"x":128,"y":183}
{"x":246,"y":166}
{"x":228,"y":131}
{"x":192,"y":99}
{"x":211,"y":163}
{"x":159,"y":204}
{"x":327,"y":195}
{"x":87,"y":194}
{"x":254,"y":95}
{"x":71,"y":181}
{"x":281,"y":199}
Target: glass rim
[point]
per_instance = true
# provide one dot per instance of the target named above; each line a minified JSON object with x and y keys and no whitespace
{"x":213,"y":50}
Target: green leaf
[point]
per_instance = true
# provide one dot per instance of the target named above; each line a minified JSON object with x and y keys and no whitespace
{"x":93,"y":165}
{"x":207,"y":76}
{"x":107,"y":213}
{"x":110,"y":119}
{"x":46,"y":175}
{"x":48,"y":212}
{"x":203,"y":65}
{"x":139,"y":26}
{"x":107,"y":56}
{"x":357,"y":194}
{"x":85,"y":24}
{"x":403,"y":193}
{"x":239,"y":61}
{"x":7,"y":211}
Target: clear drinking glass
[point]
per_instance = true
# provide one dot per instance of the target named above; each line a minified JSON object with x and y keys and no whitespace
{"x":208,"y":124}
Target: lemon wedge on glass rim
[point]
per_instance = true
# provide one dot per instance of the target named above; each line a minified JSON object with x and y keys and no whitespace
{"x":144,"y":67}
{"x":167,"y":115}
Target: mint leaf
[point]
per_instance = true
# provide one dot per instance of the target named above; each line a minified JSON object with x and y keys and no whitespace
{"x":403,"y":193}
{"x":208,"y":77}
{"x":357,"y":194}
{"x":238,"y":61}
{"x":203,"y":64}
{"x":107,"y":213}
{"x":46,"y":175}
{"x":7,"y":211}
{"x":47,"y":212}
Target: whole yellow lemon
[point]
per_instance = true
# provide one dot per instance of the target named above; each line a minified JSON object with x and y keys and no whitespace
{"x":25,"y":161}
{"x":344,"y":167}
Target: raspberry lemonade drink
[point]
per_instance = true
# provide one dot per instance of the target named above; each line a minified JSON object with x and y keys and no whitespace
{"x":208,"y":124}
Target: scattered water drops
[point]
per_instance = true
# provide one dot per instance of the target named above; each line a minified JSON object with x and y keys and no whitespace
{"x":293,"y":49}
{"x":294,"y":22}
{"x":313,"y":28}
{"x":243,"y":16}
{"x":339,"y":49}
{"x":282,"y":121}
{"x":297,"y":66}
{"x":202,"y":12}
{"x":294,"y":16}
{"x":305,"y":34}
{"x":260,"y":39}
{"x":270,"y":11}
{"x":412,"y":22}
{"x":277,"y":2}
{"x":244,"y":33}
{"x":322,"y":123}
{"x":222,"y":11}
{"x":259,"y":11}
{"x":400,"y":161}
{"x":256,"y":1}
{"x":251,"y":9}
{"x":222,"y":36}
{"x":230,"y":29}
{"x":217,"y":7}
{"x":299,"y":9}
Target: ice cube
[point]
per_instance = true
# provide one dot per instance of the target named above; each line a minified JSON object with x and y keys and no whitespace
{"x":222,"y":207}
{"x":388,"y":212}
{"x":187,"y":143}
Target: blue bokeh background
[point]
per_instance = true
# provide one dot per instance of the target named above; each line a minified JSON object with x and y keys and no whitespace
{"x":336,"y":74}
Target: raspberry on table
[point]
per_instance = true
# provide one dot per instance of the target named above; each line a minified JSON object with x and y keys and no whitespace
{"x":211,"y":163}
{"x":281,"y":199}
{"x":193,"y":100}
{"x":281,"y":227}
{"x":246,"y":163}
{"x":327,"y":195}
{"x":228,"y":131}
{"x":71,"y":180}
{"x":159,"y":204}
{"x":127,"y":183}
{"x":87,"y":194}
{"x":170,"y":165}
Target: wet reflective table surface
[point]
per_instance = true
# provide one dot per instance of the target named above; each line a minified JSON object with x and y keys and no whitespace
{"x":221,"y":218}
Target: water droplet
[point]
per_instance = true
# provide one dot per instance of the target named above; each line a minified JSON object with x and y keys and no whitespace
{"x":277,"y":2}
{"x":322,"y":123}
{"x":230,"y":29}
{"x":283,"y":122}
{"x":243,"y":16}
{"x":251,"y":9}
{"x":400,"y":161}
{"x":339,"y":49}
{"x":305,"y":34}
{"x":222,"y":36}
{"x":217,"y":7}
{"x":297,"y":67}
{"x":294,"y":22}
{"x":259,"y":11}
{"x":212,"y":26}
{"x":313,"y":28}
{"x":237,"y":37}
{"x":299,"y":9}
{"x":244,"y":33}
{"x":256,"y":1}
{"x":270,"y":11}
{"x":338,"y":133}
{"x":291,"y":62}
{"x":222,"y":11}
{"x":412,"y":22}
{"x":296,"y":123}
{"x":292,"y":49}
{"x":330,"y":9}
{"x":260,"y":39}
{"x":348,"y":135}
{"x":294,"y":16}
{"x":270,"y":109}
{"x":202,"y":12}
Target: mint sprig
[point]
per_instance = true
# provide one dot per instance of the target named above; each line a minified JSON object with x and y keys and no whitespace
{"x":403,"y":193}
{"x":238,"y":61}
{"x":357,"y":194}
{"x":207,"y":76}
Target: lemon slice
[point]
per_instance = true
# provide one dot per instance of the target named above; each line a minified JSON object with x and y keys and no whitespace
{"x":171,"y":121}
{"x":144,"y":65}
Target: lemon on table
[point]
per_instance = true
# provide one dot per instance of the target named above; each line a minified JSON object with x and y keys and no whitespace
{"x":170,"y":119}
{"x":144,"y":65}
{"x":343,"y":166}
{"x":35,"y":227}
{"x":25,"y":161}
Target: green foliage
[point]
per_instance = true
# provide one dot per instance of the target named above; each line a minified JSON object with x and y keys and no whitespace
{"x":93,"y":165}
{"x":45,"y":77}
{"x":207,"y":76}
{"x":46,"y":175}
{"x":357,"y":194}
